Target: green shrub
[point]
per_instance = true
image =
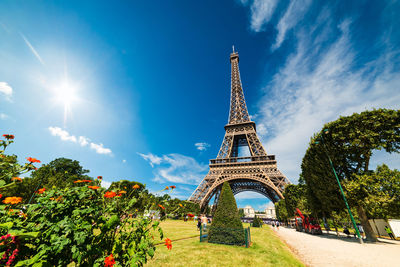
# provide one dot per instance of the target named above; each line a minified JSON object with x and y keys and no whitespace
{"x":257,"y":222}
{"x":226,"y":227}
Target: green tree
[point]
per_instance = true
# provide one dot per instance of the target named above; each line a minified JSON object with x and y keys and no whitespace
{"x":281,"y":211}
{"x":226,"y":227}
{"x":257,"y":222}
{"x":350,"y":143}
{"x":295,"y":197}
{"x":378,"y":192}
{"x":241,"y":213}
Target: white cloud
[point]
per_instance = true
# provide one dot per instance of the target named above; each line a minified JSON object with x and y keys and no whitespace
{"x":249,"y":195}
{"x":64,"y":135}
{"x":317,"y":85}
{"x":261,"y":13}
{"x":33,"y":50}
{"x":176,"y":168}
{"x":153,"y":159}
{"x":202,"y":146}
{"x":6,"y":90}
{"x":124,"y":161}
{"x":294,"y":13}
{"x":3,"y":116}
{"x":100,"y":149}
{"x":82,"y":140}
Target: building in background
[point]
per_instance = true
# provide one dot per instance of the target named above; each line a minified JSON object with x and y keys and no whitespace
{"x":249,"y":211}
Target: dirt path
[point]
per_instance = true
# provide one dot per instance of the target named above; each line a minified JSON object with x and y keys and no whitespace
{"x":330,"y":250}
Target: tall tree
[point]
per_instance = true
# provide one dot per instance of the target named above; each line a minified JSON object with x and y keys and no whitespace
{"x":349,"y":142}
{"x":226,"y":227}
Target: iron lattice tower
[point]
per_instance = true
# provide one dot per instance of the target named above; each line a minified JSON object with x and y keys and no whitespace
{"x":258,"y":172}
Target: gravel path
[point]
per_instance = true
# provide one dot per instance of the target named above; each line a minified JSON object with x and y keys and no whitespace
{"x":330,"y":250}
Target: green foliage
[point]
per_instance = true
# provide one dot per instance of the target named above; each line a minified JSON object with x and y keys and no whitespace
{"x":257,"y":222}
{"x":241,"y":213}
{"x":295,"y":197}
{"x":378,"y":192}
{"x":281,"y":211}
{"x":226,"y":227}
{"x":349,"y":143}
{"x":77,"y":224}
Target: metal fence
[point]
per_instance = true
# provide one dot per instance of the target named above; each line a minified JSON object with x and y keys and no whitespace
{"x":227,"y":236}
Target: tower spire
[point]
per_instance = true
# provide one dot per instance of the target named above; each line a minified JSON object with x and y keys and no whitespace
{"x":238,"y":111}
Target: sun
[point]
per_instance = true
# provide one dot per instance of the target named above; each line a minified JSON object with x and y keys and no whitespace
{"x":66,"y":94}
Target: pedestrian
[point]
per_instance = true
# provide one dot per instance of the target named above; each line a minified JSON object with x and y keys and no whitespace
{"x":390,"y":233}
{"x":273,"y":225}
{"x":277,"y":225}
{"x":204,"y":221}
{"x":198,"y":223}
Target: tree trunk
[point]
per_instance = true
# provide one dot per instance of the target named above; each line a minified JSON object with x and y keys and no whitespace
{"x":369,"y":233}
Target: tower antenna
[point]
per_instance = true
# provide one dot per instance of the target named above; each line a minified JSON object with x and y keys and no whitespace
{"x":233,"y":48}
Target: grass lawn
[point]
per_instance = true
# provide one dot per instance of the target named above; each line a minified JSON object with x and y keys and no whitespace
{"x":266,"y":250}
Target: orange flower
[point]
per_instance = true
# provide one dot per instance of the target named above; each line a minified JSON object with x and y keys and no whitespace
{"x":136,"y":186}
{"x":168,"y":243}
{"x":180,"y":205}
{"x":99,"y":177}
{"x":122,"y":192}
{"x":93,"y":187}
{"x":109,"y":261}
{"x":41,"y":190}
{"x":21,"y":214}
{"x":161,"y":206}
{"x":166,"y":188}
{"x":16,"y":179}
{"x":109,"y":194}
{"x":33,"y":160}
{"x":172,"y":186}
{"x":82,"y":181}
{"x":12,"y":200}
{"x":8,"y":136}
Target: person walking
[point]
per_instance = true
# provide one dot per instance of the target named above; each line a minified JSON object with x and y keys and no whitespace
{"x":198,"y":223}
{"x":390,"y":233}
{"x":204,"y":221}
{"x":273,"y":225}
{"x":277,"y":225}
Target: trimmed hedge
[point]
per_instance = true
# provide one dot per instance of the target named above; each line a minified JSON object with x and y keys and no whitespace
{"x":226,"y":227}
{"x":257,"y":222}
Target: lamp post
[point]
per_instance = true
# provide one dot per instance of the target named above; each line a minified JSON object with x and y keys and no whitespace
{"x":340,"y":186}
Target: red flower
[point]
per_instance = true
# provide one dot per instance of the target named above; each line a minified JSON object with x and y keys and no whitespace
{"x":168,"y":243}
{"x":109,"y":261}
{"x":8,"y":136}
{"x":93,"y":187}
{"x":41,"y":190}
{"x":190,"y":215}
{"x":161,"y":206}
{"x":33,"y":160}
{"x":109,"y":194}
{"x":99,"y":177}
{"x":1,"y":195}
{"x":172,"y":186}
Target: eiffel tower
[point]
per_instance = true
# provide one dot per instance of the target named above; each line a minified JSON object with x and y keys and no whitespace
{"x":257,"y":172}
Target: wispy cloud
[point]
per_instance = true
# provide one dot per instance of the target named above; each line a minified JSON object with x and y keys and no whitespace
{"x":317,"y":84}
{"x":176,"y":168}
{"x":3,"y":116}
{"x":152,"y":159}
{"x":6,"y":90}
{"x":105,"y":184}
{"x":249,"y":195}
{"x":294,"y":13}
{"x":202,"y":146}
{"x":81,"y":140}
{"x":33,"y":50}
{"x":261,"y":13}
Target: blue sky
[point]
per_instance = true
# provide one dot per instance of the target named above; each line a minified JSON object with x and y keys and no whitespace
{"x":151,"y":80}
